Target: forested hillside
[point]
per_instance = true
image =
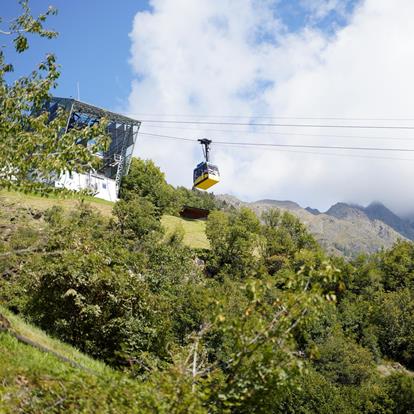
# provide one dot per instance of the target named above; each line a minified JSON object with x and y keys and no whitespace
{"x":263,"y":321}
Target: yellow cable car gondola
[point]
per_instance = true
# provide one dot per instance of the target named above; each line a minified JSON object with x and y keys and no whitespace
{"x":205,"y":174}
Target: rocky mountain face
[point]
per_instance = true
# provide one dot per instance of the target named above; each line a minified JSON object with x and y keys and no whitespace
{"x":377,"y":211}
{"x":344,"y":229}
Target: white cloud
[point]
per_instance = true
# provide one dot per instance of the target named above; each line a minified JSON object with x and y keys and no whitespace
{"x":228,"y":57}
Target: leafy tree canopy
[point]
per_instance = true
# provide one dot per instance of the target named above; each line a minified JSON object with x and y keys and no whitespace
{"x":33,"y":148}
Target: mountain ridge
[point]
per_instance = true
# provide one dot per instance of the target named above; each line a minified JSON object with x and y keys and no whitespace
{"x":344,"y":229}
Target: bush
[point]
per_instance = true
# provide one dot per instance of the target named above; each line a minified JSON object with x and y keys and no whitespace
{"x":397,"y":266}
{"x":236,"y":243}
{"x":113,"y":297}
{"x":137,"y":218}
{"x":315,"y":395}
{"x":394,"y":317}
{"x":400,"y":388}
{"x":343,"y":361}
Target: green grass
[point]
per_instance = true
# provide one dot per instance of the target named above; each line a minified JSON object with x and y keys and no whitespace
{"x":38,"y":336}
{"x":33,"y":381}
{"x":42,"y":202}
{"x":194,"y":230}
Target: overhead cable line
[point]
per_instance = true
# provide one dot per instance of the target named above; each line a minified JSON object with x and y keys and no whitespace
{"x":333,"y":154}
{"x":295,"y":151}
{"x":168,"y":137}
{"x":256,"y":144}
{"x":253,"y":116}
{"x":315,"y":146}
{"x":161,"y":121}
{"x":281,"y":133}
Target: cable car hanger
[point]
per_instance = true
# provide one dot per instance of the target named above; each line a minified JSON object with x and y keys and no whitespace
{"x":205,"y":143}
{"x":205,"y":174}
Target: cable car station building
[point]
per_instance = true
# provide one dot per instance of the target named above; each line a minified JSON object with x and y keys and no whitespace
{"x":104,"y":182}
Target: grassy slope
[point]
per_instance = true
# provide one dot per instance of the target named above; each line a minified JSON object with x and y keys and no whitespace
{"x":42,"y":203}
{"x":194,"y":230}
{"x":33,"y":381}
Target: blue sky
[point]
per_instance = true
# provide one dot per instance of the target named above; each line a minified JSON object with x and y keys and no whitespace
{"x":297,"y":14}
{"x":93,"y":47}
{"x":280,"y":58}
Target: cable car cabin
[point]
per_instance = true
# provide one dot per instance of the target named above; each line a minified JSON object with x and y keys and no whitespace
{"x":205,"y":175}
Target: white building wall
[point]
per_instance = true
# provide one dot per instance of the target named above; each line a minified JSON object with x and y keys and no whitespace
{"x":101,"y":186}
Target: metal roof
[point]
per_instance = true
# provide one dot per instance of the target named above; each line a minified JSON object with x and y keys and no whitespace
{"x":78,"y":106}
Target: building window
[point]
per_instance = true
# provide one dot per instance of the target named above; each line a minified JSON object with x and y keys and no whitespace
{"x":104,"y":186}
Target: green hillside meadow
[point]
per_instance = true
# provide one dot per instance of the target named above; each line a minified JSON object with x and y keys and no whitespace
{"x":194,"y":230}
{"x":37,"y":381}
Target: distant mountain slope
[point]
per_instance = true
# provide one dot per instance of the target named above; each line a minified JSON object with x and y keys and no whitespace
{"x":379,"y":212}
{"x":346,"y":212}
{"x":375,"y":211}
{"x":344,"y":229}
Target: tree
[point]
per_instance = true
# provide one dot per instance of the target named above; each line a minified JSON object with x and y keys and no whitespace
{"x":236,"y":243}
{"x":397,"y":266}
{"x":32,"y":147}
{"x":314,"y":395}
{"x":343,"y":361}
{"x":251,"y":340}
{"x":394,"y":318}
{"x":146,"y":180}
{"x":285,"y":237}
{"x":197,"y":198}
{"x":400,"y":387}
{"x":137,"y":217}
{"x":114,"y":298}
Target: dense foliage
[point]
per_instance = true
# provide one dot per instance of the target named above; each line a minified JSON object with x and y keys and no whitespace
{"x":266,"y":322}
{"x":119,"y":290}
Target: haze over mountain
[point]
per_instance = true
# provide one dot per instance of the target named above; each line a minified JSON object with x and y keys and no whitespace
{"x":344,"y":229}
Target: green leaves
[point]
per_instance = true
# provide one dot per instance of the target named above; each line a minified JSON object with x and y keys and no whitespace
{"x":20,"y":43}
{"x":394,"y":317}
{"x":236,"y":243}
{"x":397,"y":265}
{"x":34,"y":149}
{"x":137,"y":218}
{"x":146,"y":180}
